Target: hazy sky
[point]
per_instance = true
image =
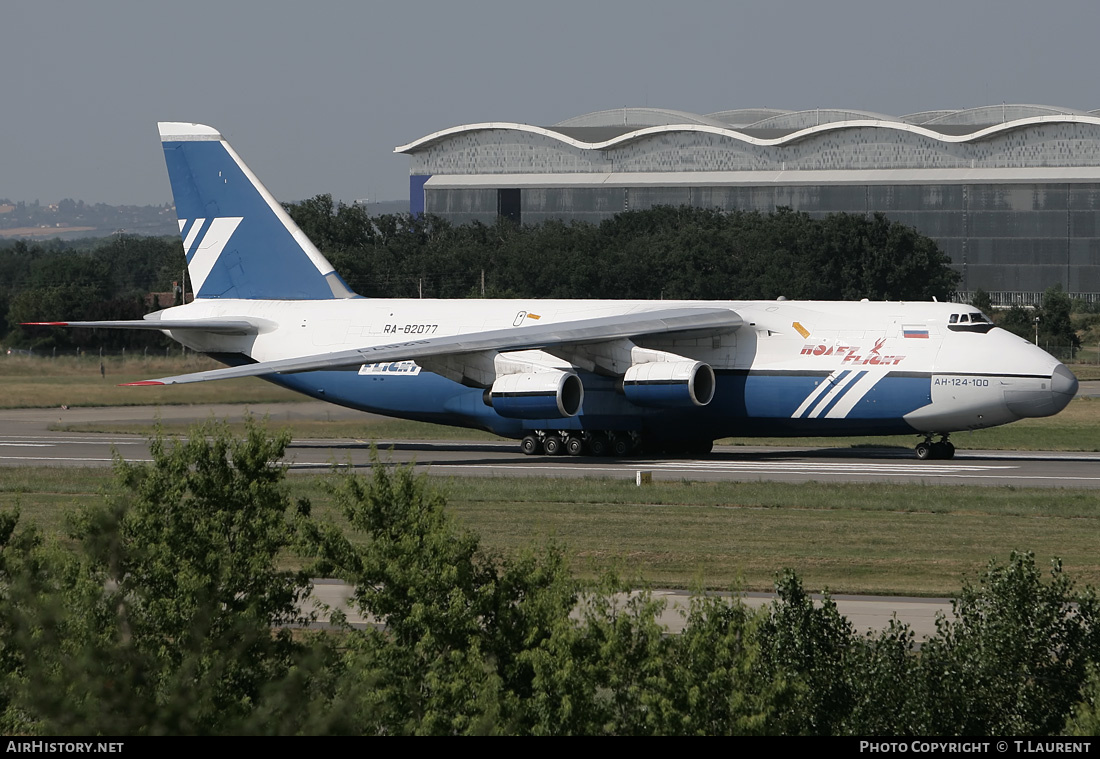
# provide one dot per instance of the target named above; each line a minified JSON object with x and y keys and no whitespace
{"x":315,"y":96}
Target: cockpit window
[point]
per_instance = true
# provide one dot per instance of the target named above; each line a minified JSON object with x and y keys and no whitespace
{"x":971,"y":321}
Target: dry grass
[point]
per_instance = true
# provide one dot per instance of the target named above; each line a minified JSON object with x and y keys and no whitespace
{"x":850,"y":538}
{"x":1086,"y":371}
{"x":42,"y":231}
{"x":33,"y":382}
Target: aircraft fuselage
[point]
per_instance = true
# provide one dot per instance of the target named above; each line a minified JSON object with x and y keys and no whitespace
{"x":792,"y":368}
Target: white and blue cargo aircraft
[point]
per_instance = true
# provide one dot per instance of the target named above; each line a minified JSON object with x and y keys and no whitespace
{"x":575,"y":376}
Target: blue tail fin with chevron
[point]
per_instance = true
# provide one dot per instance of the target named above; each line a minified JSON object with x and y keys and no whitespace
{"x":240,"y":243}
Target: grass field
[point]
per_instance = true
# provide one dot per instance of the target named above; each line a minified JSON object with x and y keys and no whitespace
{"x":1086,"y":371}
{"x":849,"y":538}
{"x":33,"y":382}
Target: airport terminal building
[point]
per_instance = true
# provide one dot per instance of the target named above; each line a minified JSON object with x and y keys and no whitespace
{"x":1010,"y":192}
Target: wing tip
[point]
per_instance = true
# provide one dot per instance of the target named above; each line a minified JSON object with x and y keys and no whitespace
{"x":142,"y":383}
{"x":44,"y":324}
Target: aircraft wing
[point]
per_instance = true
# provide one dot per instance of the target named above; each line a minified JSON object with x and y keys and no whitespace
{"x":217,"y":326}
{"x":693,"y":321}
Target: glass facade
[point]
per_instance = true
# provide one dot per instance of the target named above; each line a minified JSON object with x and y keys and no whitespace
{"x":1013,"y":240}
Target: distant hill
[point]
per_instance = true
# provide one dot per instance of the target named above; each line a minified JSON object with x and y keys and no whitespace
{"x":75,"y":218}
{"x":69,"y":219}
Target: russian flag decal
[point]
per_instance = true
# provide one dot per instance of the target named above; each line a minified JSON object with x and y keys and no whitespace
{"x":911,"y":330}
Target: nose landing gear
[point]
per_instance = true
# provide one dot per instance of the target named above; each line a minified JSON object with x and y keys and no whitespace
{"x":942,"y":449}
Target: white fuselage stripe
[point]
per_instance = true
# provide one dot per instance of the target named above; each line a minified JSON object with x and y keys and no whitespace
{"x":839,"y":389}
{"x":210,"y":247}
{"x":824,"y":387}
{"x":861,"y":387}
{"x":191,"y":235}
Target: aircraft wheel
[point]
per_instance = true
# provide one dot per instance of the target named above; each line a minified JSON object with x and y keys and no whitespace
{"x":552,"y":445}
{"x":574,"y":446}
{"x":597,"y":444}
{"x":924,"y":451}
{"x":530,"y":445}
{"x":620,"y":446}
{"x":948,"y":450}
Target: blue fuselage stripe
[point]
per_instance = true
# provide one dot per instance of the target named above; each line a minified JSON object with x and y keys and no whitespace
{"x":825,"y":392}
{"x":836,"y":399}
{"x":744,"y":404}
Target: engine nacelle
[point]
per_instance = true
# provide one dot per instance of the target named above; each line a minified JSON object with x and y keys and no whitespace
{"x":669,"y":384}
{"x":539,"y":395}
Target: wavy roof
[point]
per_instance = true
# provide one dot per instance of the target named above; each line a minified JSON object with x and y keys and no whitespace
{"x":743,"y":117}
{"x":638,"y":117}
{"x":991,"y":114}
{"x":817,"y":117}
{"x":601,"y":130}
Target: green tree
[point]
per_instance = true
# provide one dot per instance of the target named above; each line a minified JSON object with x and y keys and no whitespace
{"x":1019,"y":321}
{"x":980,"y":300}
{"x":1014,"y":658}
{"x":1085,"y":718}
{"x":29,"y":580}
{"x":883,"y":671}
{"x":474,"y":643}
{"x":1055,"y":325}
{"x":10,"y":658}
{"x":170,"y":616}
{"x":662,"y":252}
{"x":715,"y":687}
{"x":110,"y":279}
{"x":810,"y":646}
{"x":457,"y":621}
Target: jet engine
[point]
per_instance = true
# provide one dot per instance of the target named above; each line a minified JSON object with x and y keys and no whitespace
{"x":669,"y":384}
{"x":539,"y":395}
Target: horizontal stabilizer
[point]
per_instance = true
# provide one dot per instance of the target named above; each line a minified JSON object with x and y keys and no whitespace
{"x":215,"y":326}
{"x":639,"y":324}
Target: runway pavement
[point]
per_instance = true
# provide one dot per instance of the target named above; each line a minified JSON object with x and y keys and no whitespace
{"x":26,"y":439}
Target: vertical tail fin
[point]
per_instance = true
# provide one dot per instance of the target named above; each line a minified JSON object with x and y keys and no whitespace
{"x":240,"y":243}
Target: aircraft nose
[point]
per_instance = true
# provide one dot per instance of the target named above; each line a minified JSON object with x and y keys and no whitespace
{"x":1048,"y":401}
{"x":1063,"y":386}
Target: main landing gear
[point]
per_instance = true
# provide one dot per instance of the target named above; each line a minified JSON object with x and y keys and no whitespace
{"x":943,"y":449}
{"x":579,"y":443}
{"x":617,"y":443}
